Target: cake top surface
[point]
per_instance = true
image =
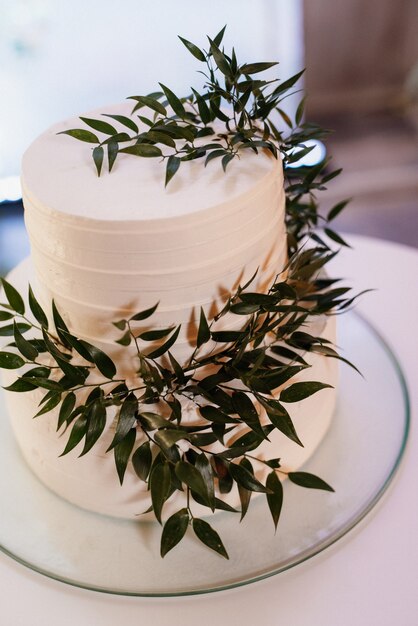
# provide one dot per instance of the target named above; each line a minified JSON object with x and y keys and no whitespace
{"x":58,"y":174}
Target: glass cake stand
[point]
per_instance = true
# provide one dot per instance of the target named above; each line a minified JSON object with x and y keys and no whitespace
{"x":359,"y":457}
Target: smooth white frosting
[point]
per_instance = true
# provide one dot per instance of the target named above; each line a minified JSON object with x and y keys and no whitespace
{"x":105,"y":248}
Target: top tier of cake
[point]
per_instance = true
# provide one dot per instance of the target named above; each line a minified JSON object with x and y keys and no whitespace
{"x":105,"y":248}
{"x":58,"y":174}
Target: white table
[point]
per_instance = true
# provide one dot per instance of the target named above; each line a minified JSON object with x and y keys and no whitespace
{"x":370,"y":577}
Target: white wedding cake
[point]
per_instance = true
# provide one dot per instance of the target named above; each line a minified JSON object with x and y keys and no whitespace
{"x":105,"y":248}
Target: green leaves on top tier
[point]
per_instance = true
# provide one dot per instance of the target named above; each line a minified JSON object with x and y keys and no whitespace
{"x":249,"y":111}
{"x":179,"y":129}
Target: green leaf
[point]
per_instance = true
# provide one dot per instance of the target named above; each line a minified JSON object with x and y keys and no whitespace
{"x":212,"y":414}
{"x":150,"y":102}
{"x":244,"y":478}
{"x":244,"y":308}
{"x":102,"y":127}
{"x":60,"y":325}
{"x":202,"y":439}
{"x":37,"y":372}
{"x":4,"y":316}
{"x":158,"y":135}
{"x":226,"y":336}
{"x":53,"y":401}
{"x":81,"y":135}
{"x":245,"y":494}
{"x":204,"y":467}
{"x":245,"y":499}
{"x":166,"y":346}
{"x":224,"y":477}
{"x":126,"y":121}
{"x":331,"y":175}
{"x":174,"y":531}
{"x":336,"y":237}
{"x":77,"y":433}
{"x":195,"y":51}
{"x":76,"y":375}
{"x":226,"y":159}
{"x":125,"y":340}
{"x":173,"y":164}
{"x":96,"y":425}
{"x":10,"y":361}
{"x":177,"y":369}
{"x":160,"y":482}
{"x":254,"y":68}
{"x":8,"y":330}
{"x":280,"y":375}
{"x":13,"y":297}
{"x":203,"y":333}
{"x":98,"y":155}
{"x":168,"y":437}
{"x":244,"y":407}
{"x":189,"y":475}
{"x":220,"y":59}
{"x":25,"y":348}
{"x":219,"y":504}
{"x":287,"y":84}
{"x":146,"y":121}
{"x":118,"y":138}
{"x":77,"y":345}
{"x":251,"y":440}
{"x":122,"y":453}
{"x":142,"y":460}
{"x":209,"y":536}
{"x":20,"y":386}
{"x":304,"y":479}
{"x":300,"y":391}
{"x":299,"y":111}
{"x":153,"y":421}
{"x":51,"y":347}
{"x":218,"y":39}
{"x":285,"y":117}
{"x":37,"y":310}
{"x":174,"y":101}
{"x":121,"y":325}
{"x":126,"y":419}
{"x":155,"y":335}
{"x":275,"y":497}
{"x":44,"y":383}
{"x":215,"y":154}
{"x":67,"y":407}
{"x":145,"y":314}
{"x":142,"y":150}
{"x":112,"y":153}
{"x":103,"y":362}
{"x":204,"y":110}
{"x":281,"y":420}
{"x":291,"y":355}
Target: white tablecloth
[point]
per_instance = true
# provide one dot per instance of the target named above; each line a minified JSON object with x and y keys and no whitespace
{"x":368,"y":578}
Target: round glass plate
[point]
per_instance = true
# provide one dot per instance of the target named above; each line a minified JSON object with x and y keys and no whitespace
{"x":359,"y":457}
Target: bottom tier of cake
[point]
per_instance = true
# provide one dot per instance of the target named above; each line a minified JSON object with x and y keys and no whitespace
{"x":91,"y":481}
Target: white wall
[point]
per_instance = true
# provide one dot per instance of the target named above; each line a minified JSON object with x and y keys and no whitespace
{"x":60,"y":58}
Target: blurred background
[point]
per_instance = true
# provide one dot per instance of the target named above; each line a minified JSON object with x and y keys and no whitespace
{"x":59,"y":59}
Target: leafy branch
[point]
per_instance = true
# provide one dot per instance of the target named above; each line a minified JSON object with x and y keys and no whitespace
{"x":250,"y":382}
